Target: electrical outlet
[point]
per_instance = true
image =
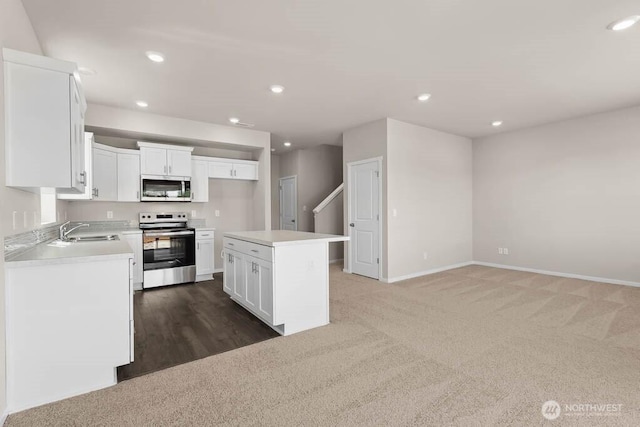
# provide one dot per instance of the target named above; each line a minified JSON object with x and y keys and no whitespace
{"x":304,"y":208}
{"x":217,"y":212}
{"x":500,"y":251}
{"x":395,"y":213}
{"x":193,"y":214}
{"x":15,"y":215}
{"x":109,"y":214}
{"x":425,"y":255}
{"x":505,"y":251}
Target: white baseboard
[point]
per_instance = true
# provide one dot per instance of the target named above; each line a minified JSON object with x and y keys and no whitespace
{"x":218,"y":270}
{"x":333,"y":261}
{"x":425,"y":272}
{"x":559,"y":274}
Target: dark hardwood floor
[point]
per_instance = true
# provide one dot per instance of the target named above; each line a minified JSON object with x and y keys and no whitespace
{"x":179,"y":324}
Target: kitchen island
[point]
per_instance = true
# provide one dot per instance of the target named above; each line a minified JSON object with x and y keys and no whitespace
{"x":280,"y":276}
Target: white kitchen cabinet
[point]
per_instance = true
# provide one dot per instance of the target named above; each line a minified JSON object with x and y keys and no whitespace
{"x":199,"y":181}
{"x":128,"y":176}
{"x":233,"y":169}
{"x":44,"y":124}
{"x":134,"y":239}
{"x":205,"y":254}
{"x":233,"y":278}
{"x":165,"y":160}
{"x":68,"y":337}
{"x":105,"y":174}
{"x":88,"y":161}
{"x":258,"y":284}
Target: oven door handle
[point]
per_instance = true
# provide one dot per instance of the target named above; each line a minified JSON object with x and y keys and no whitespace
{"x":170,"y":233}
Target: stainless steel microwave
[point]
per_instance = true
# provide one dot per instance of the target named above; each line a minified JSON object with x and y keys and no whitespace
{"x":165,"y":189}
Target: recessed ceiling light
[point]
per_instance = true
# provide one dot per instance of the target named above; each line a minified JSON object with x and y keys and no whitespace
{"x":424,"y":97}
{"x":287,"y":144}
{"x":87,"y":71}
{"x":496,"y":123}
{"x":277,"y":88}
{"x":624,"y":23}
{"x":142,"y":104}
{"x":155,"y":56}
{"x":234,"y":120}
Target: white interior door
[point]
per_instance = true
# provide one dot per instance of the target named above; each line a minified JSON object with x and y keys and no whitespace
{"x":289,"y":203}
{"x":364,"y":221}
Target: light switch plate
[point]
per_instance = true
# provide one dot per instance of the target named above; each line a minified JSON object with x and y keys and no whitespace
{"x":109,"y":214}
{"x":217,"y":212}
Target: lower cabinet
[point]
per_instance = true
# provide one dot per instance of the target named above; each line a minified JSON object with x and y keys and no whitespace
{"x":205,"y":254}
{"x":68,"y":337}
{"x":249,"y":279}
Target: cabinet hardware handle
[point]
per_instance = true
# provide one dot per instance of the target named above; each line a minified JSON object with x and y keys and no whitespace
{"x":198,"y":246}
{"x":83,"y":178}
{"x":169,"y":169}
{"x":231,"y":172}
{"x":230,"y":244}
{"x":138,"y":195}
{"x":254,"y":250}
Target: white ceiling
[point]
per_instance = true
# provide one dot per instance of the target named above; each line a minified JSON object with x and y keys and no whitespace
{"x":347,"y":62}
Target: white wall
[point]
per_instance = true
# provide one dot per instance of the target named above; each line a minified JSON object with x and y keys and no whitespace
{"x":563,"y":197}
{"x":16,"y":32}
{"x":429,"y":184}
{"x":361,"y":143}
{"x":319,"y":172}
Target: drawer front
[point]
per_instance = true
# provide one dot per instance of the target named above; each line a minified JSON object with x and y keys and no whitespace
{"x":235,"y":245}
{"x":260,"y":251}
{"x":204,"y":234}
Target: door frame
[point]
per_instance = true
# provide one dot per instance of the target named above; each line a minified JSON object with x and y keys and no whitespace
{"x":380,"y":212}
{"x":295,"y":191}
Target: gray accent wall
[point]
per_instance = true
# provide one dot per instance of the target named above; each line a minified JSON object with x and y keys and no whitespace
{"x":562,"y":197}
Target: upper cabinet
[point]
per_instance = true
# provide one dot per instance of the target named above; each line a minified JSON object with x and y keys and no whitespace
{"x":44,"y":131}
{"x":199,"y":181}
{"x":233,"y":169}
{"x":165,"y":160}
{"x":128,"y":176}
{"x":105,"y":174}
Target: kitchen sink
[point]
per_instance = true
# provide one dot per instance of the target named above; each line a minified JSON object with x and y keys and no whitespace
{"x":104,"y":238}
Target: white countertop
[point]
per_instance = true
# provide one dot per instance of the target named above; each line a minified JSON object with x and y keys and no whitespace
{"x":49,"y":253}
{"x":284,"y":237}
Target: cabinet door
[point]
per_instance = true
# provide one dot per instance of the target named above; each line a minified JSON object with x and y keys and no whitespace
{"x":105,"y":175}
{"x":78,"y":166}
{"x":251,"y":270}
{"x":88,"y":162}
{"x":265,"y":289}
{"x":245,"y":171}
{"x":228,"y":276}
{"x":204,"y":256}
{"x":199,"y":181}
{"x":234,"y":280}
{"x":220,"y":170}
{"x":128,"y":177}
{"x":153,"y":161}
{"x":179,"y":162}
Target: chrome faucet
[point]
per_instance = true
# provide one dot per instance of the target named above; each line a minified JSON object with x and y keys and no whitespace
{"x":64,"y":233}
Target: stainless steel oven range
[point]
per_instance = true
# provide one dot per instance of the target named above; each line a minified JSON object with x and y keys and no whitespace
{"x":169,"y":249}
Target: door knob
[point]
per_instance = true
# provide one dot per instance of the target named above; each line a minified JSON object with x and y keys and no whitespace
{"x":352,"y":225}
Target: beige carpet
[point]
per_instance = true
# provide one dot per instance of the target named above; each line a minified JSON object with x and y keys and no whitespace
{"x":472,"y":346}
